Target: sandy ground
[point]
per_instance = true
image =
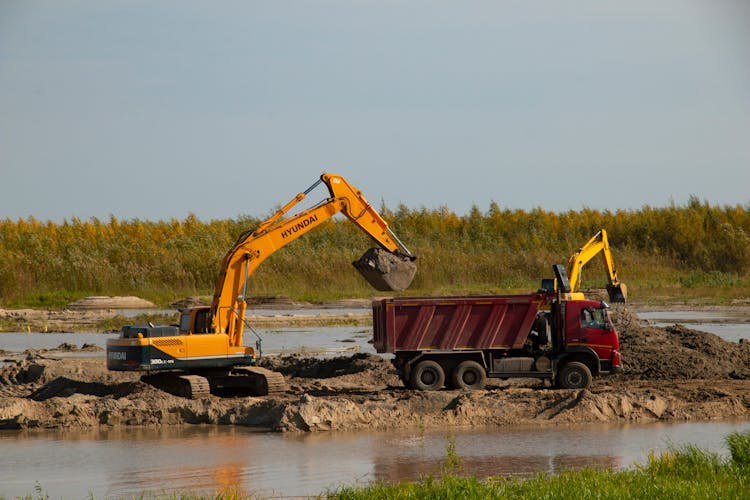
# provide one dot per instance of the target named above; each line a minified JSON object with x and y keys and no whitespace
{"x":673,"y":374}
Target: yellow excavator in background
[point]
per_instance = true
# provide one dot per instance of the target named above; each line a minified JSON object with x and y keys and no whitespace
{"x":598,"y":244}
{"x":205,"y":352}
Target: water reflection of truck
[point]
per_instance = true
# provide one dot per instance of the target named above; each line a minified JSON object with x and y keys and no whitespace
{"x":460,"y":341}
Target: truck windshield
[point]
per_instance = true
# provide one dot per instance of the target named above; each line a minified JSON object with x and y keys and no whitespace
{"x":594,"y":318}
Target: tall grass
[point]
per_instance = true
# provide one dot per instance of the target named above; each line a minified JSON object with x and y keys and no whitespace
{"x":680,"y":248}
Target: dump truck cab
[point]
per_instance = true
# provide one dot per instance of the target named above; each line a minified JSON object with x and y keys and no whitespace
{"x":587,"y":335}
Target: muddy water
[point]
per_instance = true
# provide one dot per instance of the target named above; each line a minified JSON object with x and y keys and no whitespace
{"x":131,"y":462}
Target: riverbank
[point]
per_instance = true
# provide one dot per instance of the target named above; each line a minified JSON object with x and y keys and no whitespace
{"x":70,"y":394}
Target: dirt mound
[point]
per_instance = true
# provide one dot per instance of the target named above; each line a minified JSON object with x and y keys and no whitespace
{"x":103,"y":302}
{"x":189,"y":302}
{"x":296,"y":365}
{"x":36,"y":369}
{"x":677,"y":352}
{"x":327,"y":375}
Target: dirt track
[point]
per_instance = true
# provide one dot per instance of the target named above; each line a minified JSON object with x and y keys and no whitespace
{"x":673,"y":374}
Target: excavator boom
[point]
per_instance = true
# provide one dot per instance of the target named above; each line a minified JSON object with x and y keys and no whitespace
{"x":390,"y":267}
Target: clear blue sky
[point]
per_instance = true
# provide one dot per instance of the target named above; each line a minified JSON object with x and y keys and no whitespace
{"x":158,"y":109}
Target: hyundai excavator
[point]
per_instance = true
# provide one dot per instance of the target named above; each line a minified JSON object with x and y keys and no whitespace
{"x":205,"y":353}
{"x":598,"y":244}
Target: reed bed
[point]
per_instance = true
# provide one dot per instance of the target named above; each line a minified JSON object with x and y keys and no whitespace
{"x":677,"y":250}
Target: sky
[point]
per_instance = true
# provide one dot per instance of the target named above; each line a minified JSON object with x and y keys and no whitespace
{"x":160,"y":109}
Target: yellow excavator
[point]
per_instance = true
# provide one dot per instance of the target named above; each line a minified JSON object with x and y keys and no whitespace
{"x":205,"y":352}
{"x":598,"y":244}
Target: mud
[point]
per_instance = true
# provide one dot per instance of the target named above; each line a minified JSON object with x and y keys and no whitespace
{"x":677,"y":352}
{"x":673,"y":374}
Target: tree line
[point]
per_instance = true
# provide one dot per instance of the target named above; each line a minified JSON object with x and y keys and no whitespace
{"x":499,"y":249}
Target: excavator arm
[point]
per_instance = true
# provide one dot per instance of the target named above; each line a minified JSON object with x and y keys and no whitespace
{"x":253,"y":247}
{"x":598,"y":244}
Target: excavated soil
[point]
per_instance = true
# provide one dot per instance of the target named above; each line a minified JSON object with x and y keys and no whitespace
{"x":673,"y":374}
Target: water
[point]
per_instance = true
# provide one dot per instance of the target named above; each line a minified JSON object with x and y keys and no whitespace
{"x":130,"y":462}
{"x":310,"y":340}
{"x":19,"y":342}
{"x":729,"y":325}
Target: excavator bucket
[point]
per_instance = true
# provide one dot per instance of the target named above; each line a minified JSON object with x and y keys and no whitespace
{"x":617,"y":293}
{"x":386,"y":271}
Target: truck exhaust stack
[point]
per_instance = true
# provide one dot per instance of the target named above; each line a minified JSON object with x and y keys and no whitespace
{"x":385,"y":271}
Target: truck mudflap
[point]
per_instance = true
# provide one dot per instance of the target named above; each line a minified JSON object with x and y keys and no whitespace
{"x":614,"y":365}
{"x":386,"y":271}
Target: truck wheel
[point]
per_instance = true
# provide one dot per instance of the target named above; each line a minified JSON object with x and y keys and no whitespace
{"x":469,"y":375}
{"x":427,"y":376}
{"x":574,"y":375}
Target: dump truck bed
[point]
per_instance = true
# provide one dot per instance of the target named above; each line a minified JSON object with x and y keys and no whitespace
{"x":454,"y":323}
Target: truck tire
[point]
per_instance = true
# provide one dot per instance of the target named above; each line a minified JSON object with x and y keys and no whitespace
{"x":574,"y":375}
{"x":469,"y":375}
{"x":427,"y":376}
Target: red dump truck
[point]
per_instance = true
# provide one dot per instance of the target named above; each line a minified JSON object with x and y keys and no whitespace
{"x":460,"y":341}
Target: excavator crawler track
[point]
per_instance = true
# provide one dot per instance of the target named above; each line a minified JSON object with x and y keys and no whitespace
{"x":186,"y":386}
{"x":262,"y":382}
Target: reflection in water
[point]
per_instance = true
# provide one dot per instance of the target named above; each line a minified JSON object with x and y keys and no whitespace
{"x":395,"y":469}
{"x":205,"y":460}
